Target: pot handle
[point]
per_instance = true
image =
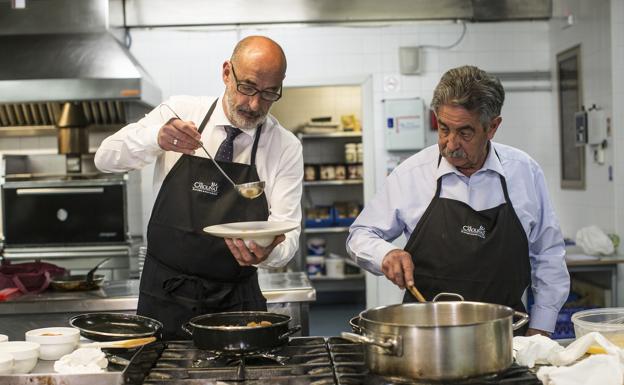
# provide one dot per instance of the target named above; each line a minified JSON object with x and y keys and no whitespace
{"x":186,"y":328}
{"x":290,"y":332}
{"x":443,"y":294}
{"x":389,"y":345}
{"x":524,"y":318}
{"x":355,"y":324}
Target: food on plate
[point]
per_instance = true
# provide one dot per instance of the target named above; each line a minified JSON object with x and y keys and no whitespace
{"x":51,"y":334}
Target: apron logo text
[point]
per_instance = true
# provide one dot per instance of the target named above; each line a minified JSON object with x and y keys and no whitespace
{"x":469,"y":230}
{"x":213,"y":189}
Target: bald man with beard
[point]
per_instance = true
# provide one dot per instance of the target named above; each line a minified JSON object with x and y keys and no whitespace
{"x":188,"y":272}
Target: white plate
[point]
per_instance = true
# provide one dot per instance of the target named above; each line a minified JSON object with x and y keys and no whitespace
{"x":261,"y":232}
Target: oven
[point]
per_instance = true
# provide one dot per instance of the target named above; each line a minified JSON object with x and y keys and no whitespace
{"x":64,"y":212}
{"x":72,"y":219}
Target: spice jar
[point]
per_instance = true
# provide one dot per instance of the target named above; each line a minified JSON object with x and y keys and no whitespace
{"x":340,"y":171}
{"x":327,"y":172}
{"x":310,"y":172}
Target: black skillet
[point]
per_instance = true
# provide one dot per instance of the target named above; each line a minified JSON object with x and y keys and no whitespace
{"x":229,"y":332}
{"x":115,"y":326}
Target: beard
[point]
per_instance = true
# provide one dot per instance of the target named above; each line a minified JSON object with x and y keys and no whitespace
{"x":242,"y":116}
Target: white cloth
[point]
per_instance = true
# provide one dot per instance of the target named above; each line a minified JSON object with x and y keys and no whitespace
{"x":279,"y":159}
{"x":594,"y":241}
{"x":539,"y":349}
{"x":83,"y":360}
{"x":599,"y":369}
{"x":398,"y":206}
{"x":533,"y":350}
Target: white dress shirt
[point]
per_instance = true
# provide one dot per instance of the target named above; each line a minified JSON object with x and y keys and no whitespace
{"x":279,"y":159}
{"x":397,"y":208}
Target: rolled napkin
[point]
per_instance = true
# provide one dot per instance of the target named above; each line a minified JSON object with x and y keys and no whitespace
{"x":600,"y":369}
{"x":83,"y":360}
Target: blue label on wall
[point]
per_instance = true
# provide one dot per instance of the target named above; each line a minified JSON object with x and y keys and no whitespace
{"x":390,"y":122}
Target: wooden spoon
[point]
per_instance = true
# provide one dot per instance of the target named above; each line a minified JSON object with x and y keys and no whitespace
{"x":416,"y":293}
{"x":126,"y":344}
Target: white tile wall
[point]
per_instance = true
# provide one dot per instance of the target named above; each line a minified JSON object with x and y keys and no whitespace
{"x":591,"y":29}
{"x":617,"y":63}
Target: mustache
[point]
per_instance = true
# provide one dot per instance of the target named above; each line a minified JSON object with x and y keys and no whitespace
{"x":459,"y":153}
{"x":250,"y":112}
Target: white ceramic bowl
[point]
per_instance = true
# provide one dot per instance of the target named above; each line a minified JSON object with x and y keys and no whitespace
{"x":4,"y":338}
{"x":25,"y":355}
{"x":6,"y":363}
{"x":55,"y":342}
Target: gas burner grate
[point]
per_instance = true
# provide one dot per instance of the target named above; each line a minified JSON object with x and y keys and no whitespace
{"x":303,"y":361}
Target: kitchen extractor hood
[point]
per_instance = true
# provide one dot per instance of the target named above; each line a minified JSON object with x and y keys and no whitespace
{"x":59,"y":51}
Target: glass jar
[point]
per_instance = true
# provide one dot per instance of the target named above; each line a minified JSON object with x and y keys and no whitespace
{"x":350,"y":153}
{"x":360,"y":153}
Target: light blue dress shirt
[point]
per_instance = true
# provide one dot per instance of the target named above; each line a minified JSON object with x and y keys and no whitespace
{"x":398,"y":206}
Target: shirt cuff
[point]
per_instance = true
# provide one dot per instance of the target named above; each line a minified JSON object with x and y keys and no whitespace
{"x":543,"y":318}
{"x":151,"y":139}
{"x":372,"y":263}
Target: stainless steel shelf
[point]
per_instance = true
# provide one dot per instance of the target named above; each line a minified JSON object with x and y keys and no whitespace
{"x":321,"y":230}
{"x":333,"y":182}
{"x":338,"y":134}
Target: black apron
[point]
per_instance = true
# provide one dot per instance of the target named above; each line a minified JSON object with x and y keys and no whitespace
{"x":188,"y":272}
{"x":482,"y":255}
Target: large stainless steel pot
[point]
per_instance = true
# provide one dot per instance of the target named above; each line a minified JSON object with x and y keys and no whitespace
{"x":438,"y":340}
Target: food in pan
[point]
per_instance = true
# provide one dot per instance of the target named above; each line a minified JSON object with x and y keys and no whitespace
{"x":259,"y":324}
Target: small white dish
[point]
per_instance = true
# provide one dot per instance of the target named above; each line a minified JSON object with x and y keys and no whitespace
{"x":261,"y":232}
{"x":55,"y":341}
{"x":25,"y":355}
{"x":6,"y":363}
{"x":4,"y":338}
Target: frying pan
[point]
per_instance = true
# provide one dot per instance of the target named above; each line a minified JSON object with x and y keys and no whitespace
{"x":229,"y":333}
{"x":77,"y":282}
{"x":115,"y":326}
{"x":80,"y":282}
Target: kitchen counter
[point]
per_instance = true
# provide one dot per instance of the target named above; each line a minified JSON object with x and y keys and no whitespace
{"x":286,"y":293}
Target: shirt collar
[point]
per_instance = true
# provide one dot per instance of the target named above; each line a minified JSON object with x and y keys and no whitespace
{"x":492,"y":162}
{"x":219,"y":119}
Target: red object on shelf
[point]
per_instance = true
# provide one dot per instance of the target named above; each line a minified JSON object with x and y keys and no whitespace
{"x":8,"y":293}
{"x":28,"y":277}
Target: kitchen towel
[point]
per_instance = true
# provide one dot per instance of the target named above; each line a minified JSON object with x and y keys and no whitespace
{"x":599,"y":369}
{"x":83,"y":360}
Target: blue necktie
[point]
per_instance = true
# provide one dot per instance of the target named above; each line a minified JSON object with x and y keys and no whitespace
{"x":226,"y":149}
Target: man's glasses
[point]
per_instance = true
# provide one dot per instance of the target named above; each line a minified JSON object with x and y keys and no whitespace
{"x":248,"y":90}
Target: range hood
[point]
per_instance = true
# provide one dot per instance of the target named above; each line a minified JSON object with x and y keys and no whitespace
{"x":46,"y":61}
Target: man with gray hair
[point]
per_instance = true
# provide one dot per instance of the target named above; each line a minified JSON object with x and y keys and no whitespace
{"x":476,"y":213}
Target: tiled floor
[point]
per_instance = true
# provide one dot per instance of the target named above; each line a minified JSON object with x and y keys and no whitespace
{"x":331,"y":319}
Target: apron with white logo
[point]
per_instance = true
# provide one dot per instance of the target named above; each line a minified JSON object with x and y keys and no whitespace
{"x":482,"y":255}
{"x":188,"y":272}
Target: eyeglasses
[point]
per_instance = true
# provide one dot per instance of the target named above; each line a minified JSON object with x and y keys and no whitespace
{"x":248,"y":90}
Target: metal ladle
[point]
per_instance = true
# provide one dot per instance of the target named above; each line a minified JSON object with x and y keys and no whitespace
{"x":250,"y":190}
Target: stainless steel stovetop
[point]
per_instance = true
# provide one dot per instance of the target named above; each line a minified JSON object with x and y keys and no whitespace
{"x":304,"y":361}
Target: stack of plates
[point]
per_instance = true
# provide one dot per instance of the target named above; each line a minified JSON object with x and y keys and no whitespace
{"x":141,"y":262}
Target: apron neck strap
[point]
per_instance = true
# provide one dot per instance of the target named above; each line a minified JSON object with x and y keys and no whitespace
{"x":207,"y":117}
{"x":254,"y":149}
